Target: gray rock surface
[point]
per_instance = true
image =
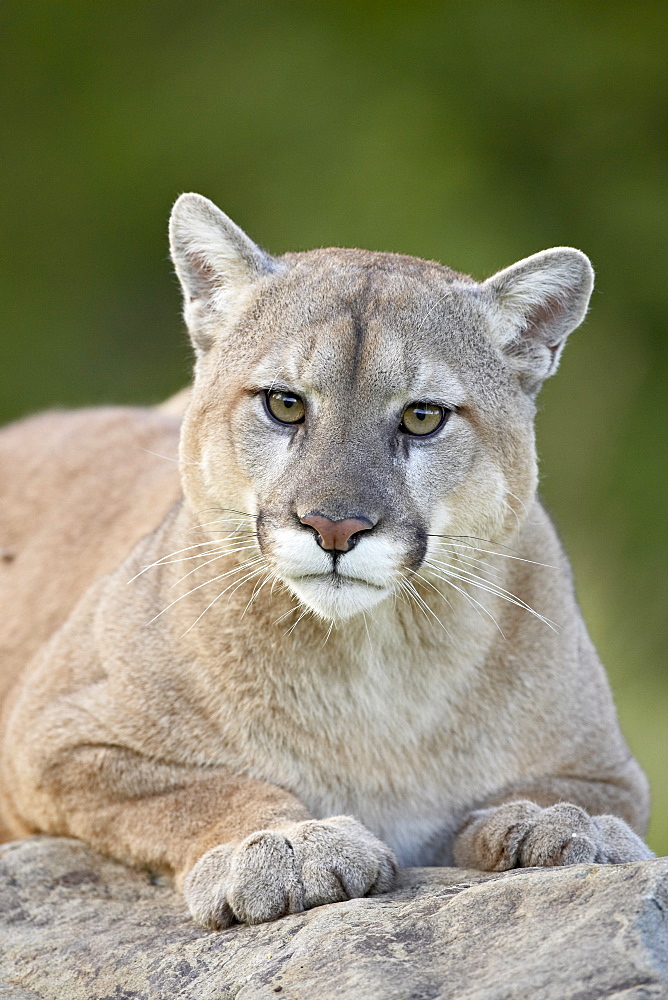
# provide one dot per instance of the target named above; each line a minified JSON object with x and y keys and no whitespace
{"x":74,"y":925}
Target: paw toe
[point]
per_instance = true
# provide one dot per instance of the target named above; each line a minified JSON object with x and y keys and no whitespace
{"x":388,"y":874}
{"x":264,"y":881}
{"x":272,"y":873}
{"x":204,"y":890}
{"x":340,"y":859}
{"x":617,"y":843}
{"x":562,"y":834}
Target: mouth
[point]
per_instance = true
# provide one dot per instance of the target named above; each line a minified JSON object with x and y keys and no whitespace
{"x":335,"y":579}
{"x":335,"y":597}
{"x":335,"y":588}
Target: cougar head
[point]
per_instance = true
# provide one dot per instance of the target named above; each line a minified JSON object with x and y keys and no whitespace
{"x":360,"y":405}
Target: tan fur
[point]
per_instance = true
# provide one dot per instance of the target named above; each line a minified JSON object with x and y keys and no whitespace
{"x":276,"y":739}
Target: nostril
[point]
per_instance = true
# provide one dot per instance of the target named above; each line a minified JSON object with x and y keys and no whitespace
{"x":336,"y":536}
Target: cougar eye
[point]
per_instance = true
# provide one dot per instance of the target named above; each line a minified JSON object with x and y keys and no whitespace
{"x":422,"y":419}
{"x":285,"y":407}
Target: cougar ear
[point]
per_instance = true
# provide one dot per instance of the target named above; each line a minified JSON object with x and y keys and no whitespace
{"x":215,"y":262}
{"x":536,"y":303}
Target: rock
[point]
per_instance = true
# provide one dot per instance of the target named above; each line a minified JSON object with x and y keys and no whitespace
{"x":74,"y":925}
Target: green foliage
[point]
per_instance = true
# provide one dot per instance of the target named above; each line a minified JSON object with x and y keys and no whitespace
{"x":473,"y":132}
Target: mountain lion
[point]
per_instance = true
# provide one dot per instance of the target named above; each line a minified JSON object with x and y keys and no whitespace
{"x":345,"y":639}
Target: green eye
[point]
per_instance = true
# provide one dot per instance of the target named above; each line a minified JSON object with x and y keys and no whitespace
{"x":422,"y":419}
{"x":285,"y":407}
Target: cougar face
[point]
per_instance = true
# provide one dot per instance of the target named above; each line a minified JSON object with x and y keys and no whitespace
{"x":358,"y":405}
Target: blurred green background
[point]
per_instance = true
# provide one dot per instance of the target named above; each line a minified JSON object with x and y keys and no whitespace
{"x":472,"y":132}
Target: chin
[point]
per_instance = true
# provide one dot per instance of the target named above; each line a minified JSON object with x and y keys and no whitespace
{"x":337,"y":598}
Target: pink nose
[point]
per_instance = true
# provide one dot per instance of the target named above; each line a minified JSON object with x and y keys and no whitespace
{"x":336,"y":534}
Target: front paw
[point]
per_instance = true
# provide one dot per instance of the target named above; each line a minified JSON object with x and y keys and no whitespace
{"x":272,"y":873}
{"x":522,"y":835}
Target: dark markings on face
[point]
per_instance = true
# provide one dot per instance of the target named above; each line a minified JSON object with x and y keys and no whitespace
{"x":359,"y":322}
{"x":356,"y":327}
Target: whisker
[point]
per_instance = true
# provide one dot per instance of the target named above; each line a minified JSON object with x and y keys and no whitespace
{"x":256,"y":591}
{"x":491,"y":552}
{"x":168,"y":459}
{"x":435,"y":305}
{"x":476,"y":604}
{"x":275,"y":378}
{"x":492,"y":588}
{"x":469,"y":560}
{"x":195,"y":555}
{"x":239,"y":583}
{"x":513,"y":511}
{"x":466,"y":540}
{"x":412,"y":589}
{"x":468,"y":574}
{"x":220,"y":520}
{"x":520,"y":502}
{"x":176,"y":552}
{"x":412,"y":598}
{"x":294,"y":625}
{"x":201,"y":555}
{"x":329,"y":632}
{"x":232,"y":533}
{"x":294,"y":607}
{"x":216,"y":545}
{"x":225,"y":510}
{"x":250,"y":576}
{"x":399,"y":595}
{"x":430,"y":584}
{"x":368,"y":634}
{"x":225,"y":552}
{"x":237,"y":569}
